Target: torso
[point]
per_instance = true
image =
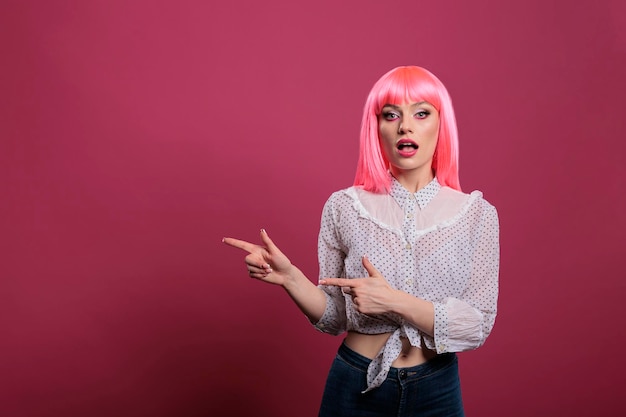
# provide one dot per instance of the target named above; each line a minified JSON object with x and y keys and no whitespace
{"x":369,"y":345}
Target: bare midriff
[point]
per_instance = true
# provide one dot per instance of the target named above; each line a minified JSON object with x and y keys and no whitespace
{"x":369,"y":345}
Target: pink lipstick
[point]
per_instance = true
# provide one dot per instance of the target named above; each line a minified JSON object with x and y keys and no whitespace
{"x":406,"y":148}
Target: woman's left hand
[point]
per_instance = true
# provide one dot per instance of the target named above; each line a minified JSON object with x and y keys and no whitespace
{"x":371,"y":295}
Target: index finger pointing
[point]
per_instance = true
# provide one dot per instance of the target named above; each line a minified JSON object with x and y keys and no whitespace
{"x":338,"y":282}
{"x":239,"y":244}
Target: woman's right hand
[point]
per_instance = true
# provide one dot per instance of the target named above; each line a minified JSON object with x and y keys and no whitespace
{"x":266,"y":263}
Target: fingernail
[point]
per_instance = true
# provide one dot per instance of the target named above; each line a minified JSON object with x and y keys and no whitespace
{"x":322,"y":282}
{"x":263,"y":231}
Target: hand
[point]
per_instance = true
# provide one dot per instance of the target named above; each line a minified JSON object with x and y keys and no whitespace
{"x":372,"y":295}
{"x":266,"y":263}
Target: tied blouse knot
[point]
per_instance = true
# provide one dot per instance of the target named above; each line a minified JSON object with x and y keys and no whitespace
{"x":437,"y":244}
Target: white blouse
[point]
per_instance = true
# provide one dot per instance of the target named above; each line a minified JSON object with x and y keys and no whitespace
{"x":437,"y":244}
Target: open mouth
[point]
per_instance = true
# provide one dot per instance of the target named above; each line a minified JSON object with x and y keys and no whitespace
{"x":406,"y":145}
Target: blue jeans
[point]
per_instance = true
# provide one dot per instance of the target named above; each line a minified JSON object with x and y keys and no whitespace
{"x":431,"y":389}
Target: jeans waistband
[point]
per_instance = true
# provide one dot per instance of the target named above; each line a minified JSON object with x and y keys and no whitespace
{"x":361,"y":362}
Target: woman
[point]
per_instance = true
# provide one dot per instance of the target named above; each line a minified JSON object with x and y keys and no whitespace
{"x":413,"y":261}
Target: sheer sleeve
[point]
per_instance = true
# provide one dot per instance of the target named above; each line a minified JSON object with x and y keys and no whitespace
{"x":464,"y":323}
{"x":331,"y":255}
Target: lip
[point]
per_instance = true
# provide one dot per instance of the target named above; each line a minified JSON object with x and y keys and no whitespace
{"x":406,"y":152}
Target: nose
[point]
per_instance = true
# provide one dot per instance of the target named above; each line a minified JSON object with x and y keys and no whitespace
{"x":405,"y":126}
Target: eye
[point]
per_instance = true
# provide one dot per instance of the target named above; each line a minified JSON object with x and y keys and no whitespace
{"x":389,"y":115}
{"x":422,"y":114}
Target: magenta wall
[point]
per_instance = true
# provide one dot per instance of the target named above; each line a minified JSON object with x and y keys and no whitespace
{"x":135,"y":134}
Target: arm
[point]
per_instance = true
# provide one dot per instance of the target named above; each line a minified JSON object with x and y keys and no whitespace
{"x":465,"y":322}
{"x":331,"y":255}
{"x":267,"y":263}
{"x":374,"y":296}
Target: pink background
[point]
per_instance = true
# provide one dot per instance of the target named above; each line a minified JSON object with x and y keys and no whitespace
{"x":135,"y":134}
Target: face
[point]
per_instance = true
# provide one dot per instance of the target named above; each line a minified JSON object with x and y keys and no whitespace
{"x":408,"y":136}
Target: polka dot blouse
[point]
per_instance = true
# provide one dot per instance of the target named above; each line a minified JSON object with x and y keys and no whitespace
{"x":437,"y":244}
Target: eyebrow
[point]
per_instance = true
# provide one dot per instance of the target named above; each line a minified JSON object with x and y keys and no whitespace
{"x":412,"y":105}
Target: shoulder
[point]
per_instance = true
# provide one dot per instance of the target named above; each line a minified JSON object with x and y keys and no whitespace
{"x":451,"y":206}
{"x":349,"y":195}
{"x":357,"y":201}
{"x":456,"y":197}
{"x":480,"y":210}
{"x":339,"y":200}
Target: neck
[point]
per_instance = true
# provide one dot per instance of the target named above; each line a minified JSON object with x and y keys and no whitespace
{"x":412,"y":180}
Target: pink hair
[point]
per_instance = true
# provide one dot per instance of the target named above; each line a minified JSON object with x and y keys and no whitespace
{"x":408,"y":84}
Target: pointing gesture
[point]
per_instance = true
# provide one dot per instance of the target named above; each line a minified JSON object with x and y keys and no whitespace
{"x":371,"y":295}
{"x":266,"y":263}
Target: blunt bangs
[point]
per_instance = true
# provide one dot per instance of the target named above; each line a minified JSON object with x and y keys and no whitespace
{"x":406,"y":85}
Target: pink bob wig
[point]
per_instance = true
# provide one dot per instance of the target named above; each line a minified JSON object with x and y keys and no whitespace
{"x":408,"y":84}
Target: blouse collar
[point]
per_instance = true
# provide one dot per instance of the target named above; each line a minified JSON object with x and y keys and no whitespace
{"x":423,"y":196}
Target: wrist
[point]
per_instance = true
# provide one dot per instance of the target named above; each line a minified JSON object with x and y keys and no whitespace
{"x":397,"y":302}
{"x":291,"y":277}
